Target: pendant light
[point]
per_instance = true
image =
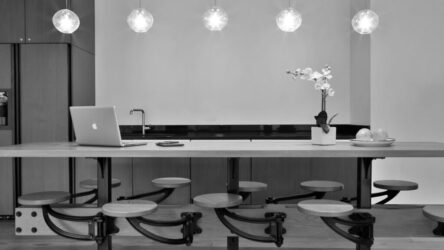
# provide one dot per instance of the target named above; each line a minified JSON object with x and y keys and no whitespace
{"x":289,"y":20}
{"x":215,"y":19}
{"x":140,"y":20}
{"x":66,"y":21}
{"x":365,"y":21}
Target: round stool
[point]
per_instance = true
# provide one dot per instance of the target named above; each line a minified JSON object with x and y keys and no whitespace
{"x":218,"y":200}
{"x":171,"y":182}
{"x":43,"y":198}
{"x":92,"y":183}
{"x":251,"y":186}
{"x":396,"y":185}
{"x":360,"y":225}
{"x":435,"y":213}
{"x":325,"y":208}
{"x":321,"y":186}
{"x":129,"y":208}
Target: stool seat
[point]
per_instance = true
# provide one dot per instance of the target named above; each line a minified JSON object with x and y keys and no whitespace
{"x":171,"y":182}
{"x":396,"y":185}
{"x":325,"y":208}
{"x":218,"y":200}
{"x":129,"y":208}
{"x":434,"y":212}
{"x":321,"y":186}
{"x":251,"y":186}
{"x":92,"y":183}
{"x":43,"y":198}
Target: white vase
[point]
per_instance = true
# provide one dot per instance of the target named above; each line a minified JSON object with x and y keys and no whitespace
{"x":319,"y":137}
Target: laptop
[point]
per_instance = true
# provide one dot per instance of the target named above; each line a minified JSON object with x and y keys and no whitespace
{"x":97,"y":126}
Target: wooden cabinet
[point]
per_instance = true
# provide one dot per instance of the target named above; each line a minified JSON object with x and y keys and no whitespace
{"x":39,"y":27}
{"x":30,"y":21}
{"x":12,"y":21}
{"x":44,"y":88}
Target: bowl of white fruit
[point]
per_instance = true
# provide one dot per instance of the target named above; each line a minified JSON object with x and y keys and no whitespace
{"x":372,"y":138}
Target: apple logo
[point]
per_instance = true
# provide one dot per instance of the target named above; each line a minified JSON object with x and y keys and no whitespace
{"x":94,"y":126}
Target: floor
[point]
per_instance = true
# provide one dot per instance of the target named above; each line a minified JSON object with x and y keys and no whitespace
{"x":396,"y":228}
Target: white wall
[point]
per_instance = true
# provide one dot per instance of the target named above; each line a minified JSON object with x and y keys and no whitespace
{"x":407,"y":87}
{"x":181,"y":73}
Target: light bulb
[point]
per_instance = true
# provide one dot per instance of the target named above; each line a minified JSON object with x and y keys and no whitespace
{"x":365,"y":22}
{"x":66,"y":21}
{"x":215,"y":19}
{"x":140,"y":20}
{"x":289,"y":20}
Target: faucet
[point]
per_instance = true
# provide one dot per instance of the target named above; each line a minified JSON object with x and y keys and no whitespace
{"x":143,"y":118}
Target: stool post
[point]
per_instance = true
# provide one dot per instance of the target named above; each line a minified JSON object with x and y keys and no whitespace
{"x":364,"y":183}
{"x":104,"y":194}
{"x":232,"y":243}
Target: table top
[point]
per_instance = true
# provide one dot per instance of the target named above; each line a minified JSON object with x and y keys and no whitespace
{"x":228,"y":148}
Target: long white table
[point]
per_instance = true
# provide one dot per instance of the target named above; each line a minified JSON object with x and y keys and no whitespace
{"x":233,"y":150}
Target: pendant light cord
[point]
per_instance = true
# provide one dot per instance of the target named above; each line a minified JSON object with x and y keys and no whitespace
{"x":289,"y":3}
{"x":140,"y":4}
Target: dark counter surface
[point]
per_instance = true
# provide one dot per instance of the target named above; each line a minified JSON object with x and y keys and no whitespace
{"x":233,"y":132}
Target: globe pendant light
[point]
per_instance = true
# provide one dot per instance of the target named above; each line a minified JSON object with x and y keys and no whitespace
{"x":365,"y":21}
{"x":140,"y":20}
{"x":66,"y":21}
{"x":289,"y":20}
{"x":215,"y":19}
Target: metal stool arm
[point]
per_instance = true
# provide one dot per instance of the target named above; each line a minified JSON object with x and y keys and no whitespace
{"x":390,"y":195}
{"x":363,"y":228}
{"x":47,"y":210}
{"x":276,"y":229}
{"x":188,"y":222}
{"x":317,"y":195}
{"x":166,"y":192}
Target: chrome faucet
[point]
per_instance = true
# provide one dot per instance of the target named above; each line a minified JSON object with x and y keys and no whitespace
{"x":143,"y":118}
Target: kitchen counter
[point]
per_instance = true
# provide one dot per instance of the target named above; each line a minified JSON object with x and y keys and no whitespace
{"x":233,"y":132}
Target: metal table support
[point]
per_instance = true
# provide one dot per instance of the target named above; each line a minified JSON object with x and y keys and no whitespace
{"x":364,"y":183}
{"x":233,"y":188}
{"x":104,"y":196}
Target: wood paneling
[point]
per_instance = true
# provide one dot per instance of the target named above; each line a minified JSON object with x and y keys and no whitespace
{"x":284,"y":175}
{"x":83,"y":78}
{"x":6,"y":177}
{"x":84,"y":37}
{"x":146,"y":169}
{"x":209,"y":175}
{"x":5,"y":66}
{"x":12,"y":21}
{"x":39,"y":26}
{"x":44,"y":113}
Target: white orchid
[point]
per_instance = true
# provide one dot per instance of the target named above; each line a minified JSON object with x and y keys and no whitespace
{"x":320,"y":80}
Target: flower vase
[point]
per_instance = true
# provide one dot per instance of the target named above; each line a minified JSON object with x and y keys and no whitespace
{"x":319,"y":137}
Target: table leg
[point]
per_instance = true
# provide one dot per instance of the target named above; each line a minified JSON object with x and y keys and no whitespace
{"x":233,"y":188}
{"x":233,"y":175}
{"x":364,"y":183}
{"x":104,"y":194}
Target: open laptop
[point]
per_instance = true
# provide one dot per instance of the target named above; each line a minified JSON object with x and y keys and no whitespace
{"x":97,"y":126}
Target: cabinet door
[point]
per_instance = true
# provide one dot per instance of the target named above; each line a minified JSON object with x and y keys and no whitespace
{"x":12,"y":21}
{"x":44,"y":113}
{"x":5,"y":66}
{"x":39,"y":27}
